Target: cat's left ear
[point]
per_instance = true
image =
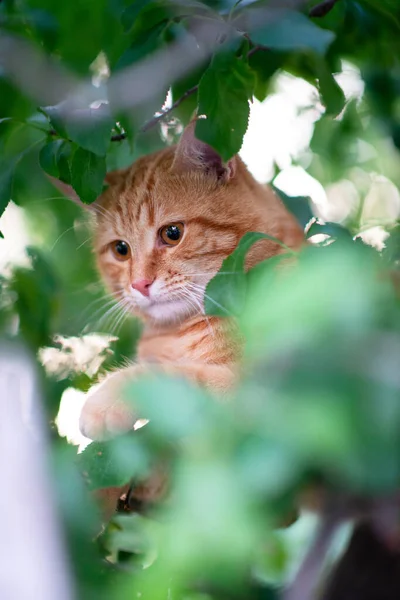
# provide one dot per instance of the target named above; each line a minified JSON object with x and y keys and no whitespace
{"x":192,"y":154}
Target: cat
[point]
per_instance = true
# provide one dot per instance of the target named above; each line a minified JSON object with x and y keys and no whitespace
{"x":161,"y":231}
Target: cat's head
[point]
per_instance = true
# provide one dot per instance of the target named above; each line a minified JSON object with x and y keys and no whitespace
{"x":165,"y":224}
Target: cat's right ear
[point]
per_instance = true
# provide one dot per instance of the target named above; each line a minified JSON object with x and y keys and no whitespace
{"x":68,"y":191}
{"x":192,"y":154}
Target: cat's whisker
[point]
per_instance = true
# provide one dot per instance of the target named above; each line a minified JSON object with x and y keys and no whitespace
{"x":209,"y":326}
{"x":104,"y":212}
{"x":107,"y":296}
{"x":111,"y":311}
{"x":196,"y":301}
{"x":61,"y":236}
{"x":94,"y":320}
{"x":212,"y":273}
{"x":48,"y":199}
{"x":190,"y":300}
{"x":83,"y":243}
{"x":124,"y":314}
{"x":223,"y":308}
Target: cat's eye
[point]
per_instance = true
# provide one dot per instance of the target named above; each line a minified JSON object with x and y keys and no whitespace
{"x":121,"y":250}
{"x":172,"y":234}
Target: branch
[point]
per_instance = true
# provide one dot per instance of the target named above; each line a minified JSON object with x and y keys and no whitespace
{"x":157,"y":118}
{"x":307,"y":578}
{"x":161,"y":116}
{"x":118,"y":137}
{"x":322,"y":9}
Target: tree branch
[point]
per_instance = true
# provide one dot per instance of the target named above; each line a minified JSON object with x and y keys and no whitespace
{"x":119,"y":137}
{"x":161,"y":116}
{"x":322,"y":9}
{"x":307,"y":578}
{"x":157,"y":118}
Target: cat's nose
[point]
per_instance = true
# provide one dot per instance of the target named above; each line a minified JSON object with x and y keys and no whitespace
{"x":143,"y":286}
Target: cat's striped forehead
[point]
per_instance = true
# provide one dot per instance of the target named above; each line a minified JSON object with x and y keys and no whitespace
{"x":148,"y":196}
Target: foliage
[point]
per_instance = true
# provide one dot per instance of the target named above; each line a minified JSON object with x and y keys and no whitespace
{"x":318,"y":404}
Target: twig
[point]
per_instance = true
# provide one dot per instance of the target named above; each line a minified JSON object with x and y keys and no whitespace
{"x":119,"y":137}
{"x":154,"y":120}
{"x":161,"y":116}
{"x":322,"y":9}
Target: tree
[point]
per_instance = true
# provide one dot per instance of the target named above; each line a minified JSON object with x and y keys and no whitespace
{"x":82,"y":91}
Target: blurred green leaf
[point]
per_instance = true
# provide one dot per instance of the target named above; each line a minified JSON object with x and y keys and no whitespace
{"x":37,"y":298}
{"x":226,"y":292}
{"x":389,"y":8}
{"x":6,"y":181}
{"x":131,"y":12}
{"x":112,"y":463}
{"x":133,"y":534}
{"x":290,"y":30}
{"x":171,"y":419}
{"x":334,"y":230}
{"x":228,"y":81}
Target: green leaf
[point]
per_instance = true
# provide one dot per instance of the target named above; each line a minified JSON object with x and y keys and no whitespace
{"x":334,"y":230}
{"x":48,"y":158}
{"x":331,"y":93}
{"x":113,"y":463}
{"x":131,"y":12}
{"x":36,"y":303}
{"x":88,"y":128}
{"x":388,"y":8}
{"x":56,"y":119}
{"x":81,"y":31}
{"x":6,"y":182}
{"x":91,"y":131}
{"x":143,"y":15}
{"x":290,"y":30}
{"x":64,"y":159}
{"x":226,"y":292}
{"x":228,"y":82}
{"x":299,"y":206}
{"x":87,"y":174}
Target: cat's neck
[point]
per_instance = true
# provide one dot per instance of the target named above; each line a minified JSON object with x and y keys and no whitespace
{"x":200,"y":338}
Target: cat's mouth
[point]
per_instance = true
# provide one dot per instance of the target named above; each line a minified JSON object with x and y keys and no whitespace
{"x":167,"y":308}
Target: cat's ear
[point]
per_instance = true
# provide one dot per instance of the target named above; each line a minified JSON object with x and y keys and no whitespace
{"x":68,"y":191}
{"x":192,"y":154}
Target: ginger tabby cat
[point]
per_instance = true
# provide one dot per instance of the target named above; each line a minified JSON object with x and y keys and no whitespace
{"x":161,"y":231}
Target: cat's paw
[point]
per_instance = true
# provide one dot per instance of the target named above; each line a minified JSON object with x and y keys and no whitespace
{"x":104,"y":413}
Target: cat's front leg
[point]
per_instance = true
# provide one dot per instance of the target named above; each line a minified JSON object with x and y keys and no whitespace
{"x":105,"y":413}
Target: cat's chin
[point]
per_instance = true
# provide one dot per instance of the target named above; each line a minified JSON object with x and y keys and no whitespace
{"x":169,"y":312}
